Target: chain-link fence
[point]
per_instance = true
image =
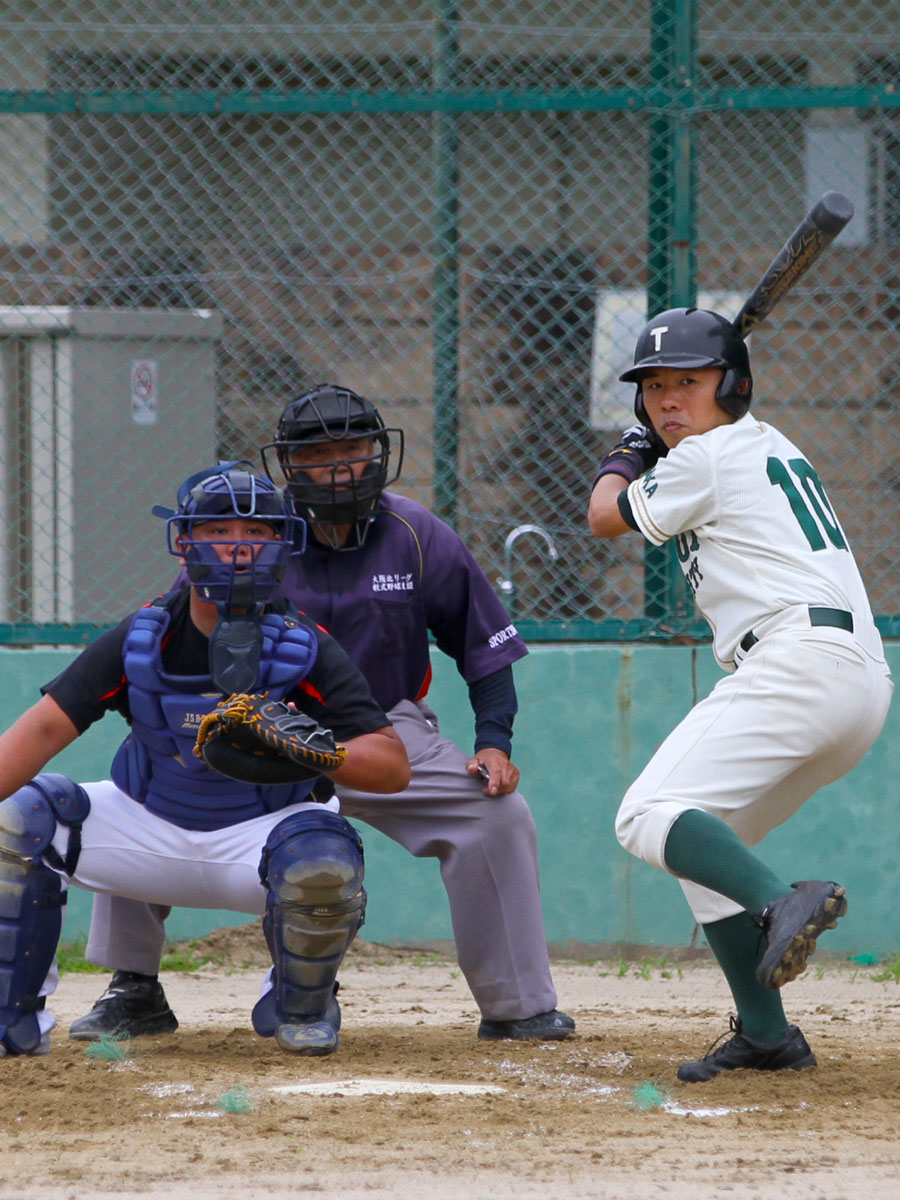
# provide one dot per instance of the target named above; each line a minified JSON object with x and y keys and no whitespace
{"x":461,"y":210}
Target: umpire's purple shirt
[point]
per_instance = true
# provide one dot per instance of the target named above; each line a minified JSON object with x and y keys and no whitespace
{"x":413,"y":574}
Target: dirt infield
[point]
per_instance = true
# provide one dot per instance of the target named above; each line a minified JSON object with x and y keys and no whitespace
{"x":413,"y":1105}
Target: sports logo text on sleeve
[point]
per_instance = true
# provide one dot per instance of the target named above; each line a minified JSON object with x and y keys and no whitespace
{"x":501,"y":636}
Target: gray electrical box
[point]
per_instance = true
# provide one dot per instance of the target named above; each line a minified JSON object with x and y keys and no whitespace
{"x":105,"y":412}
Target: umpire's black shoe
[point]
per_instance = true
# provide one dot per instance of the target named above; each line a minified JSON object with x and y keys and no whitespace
{"x":792,"y":1053}
{"x":792,"y":924}
{"x":550,"y":1026}
{"x":132,"y":1005}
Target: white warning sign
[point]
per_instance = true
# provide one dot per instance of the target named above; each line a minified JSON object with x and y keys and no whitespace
{"x":144,"y":393}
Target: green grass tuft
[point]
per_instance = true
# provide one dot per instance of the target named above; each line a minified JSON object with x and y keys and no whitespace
{"x":70,"y":956}
{"x":426,"y":958}
{"x":644,"y":969}
{"x":181,"y":957}
{"x":186,"y":957}
{"x":890,"y":970}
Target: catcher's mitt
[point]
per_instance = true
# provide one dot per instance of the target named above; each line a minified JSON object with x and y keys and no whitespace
{"x":266,"y":742}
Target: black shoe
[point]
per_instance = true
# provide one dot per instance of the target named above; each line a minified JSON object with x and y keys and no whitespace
{"x":550,"y":1026}
{"x":791,"y":925}
{"x":133,"y":1006}
{"x":792,"y":1053}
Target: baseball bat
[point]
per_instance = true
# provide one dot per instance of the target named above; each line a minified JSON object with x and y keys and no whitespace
{"x":815,"y":233}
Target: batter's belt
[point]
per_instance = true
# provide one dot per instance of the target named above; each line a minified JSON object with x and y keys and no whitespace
{"x":837,"y":618}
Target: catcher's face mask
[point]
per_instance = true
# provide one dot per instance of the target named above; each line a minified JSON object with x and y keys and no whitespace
{"x":235,"y":533}
{"x":310,"y":430}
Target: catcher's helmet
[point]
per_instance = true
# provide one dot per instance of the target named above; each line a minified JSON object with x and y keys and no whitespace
{"x":230,"y":490}
{"x":694,"y":337}
{"x":328,"y":413}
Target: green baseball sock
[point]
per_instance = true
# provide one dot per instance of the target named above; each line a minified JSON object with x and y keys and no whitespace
{"x":737,"y":944}
{"x":705,"y":850}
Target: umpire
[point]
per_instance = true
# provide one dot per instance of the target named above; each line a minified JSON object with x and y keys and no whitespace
{"x":380,"y":572}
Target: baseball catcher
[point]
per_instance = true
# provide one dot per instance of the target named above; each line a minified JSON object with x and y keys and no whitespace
{"x":170,"y":827}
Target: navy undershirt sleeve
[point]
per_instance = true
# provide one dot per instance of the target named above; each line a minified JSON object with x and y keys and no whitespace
{"x":495,"y":705}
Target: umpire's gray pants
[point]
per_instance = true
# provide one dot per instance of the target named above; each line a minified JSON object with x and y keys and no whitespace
{"x":487,"y":848}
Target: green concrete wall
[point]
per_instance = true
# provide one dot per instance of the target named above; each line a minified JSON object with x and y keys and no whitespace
{"x":606,"y":708}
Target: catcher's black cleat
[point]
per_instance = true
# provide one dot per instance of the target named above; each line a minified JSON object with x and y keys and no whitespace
{"x":131,"y":1005}
{"x":792,"y":924}
{"x":550,"y":1026}
{"x":792,"y":1053}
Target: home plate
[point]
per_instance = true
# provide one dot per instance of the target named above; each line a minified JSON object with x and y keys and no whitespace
{"x":386,"y":1087}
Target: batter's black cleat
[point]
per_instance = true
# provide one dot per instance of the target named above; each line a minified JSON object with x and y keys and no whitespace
{"x":132,"y":1005}
{"x":741,"y":1053}
{"x":550,"y":1026}
{"x":791,"y":925}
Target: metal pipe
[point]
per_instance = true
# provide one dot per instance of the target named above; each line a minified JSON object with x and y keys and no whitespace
{"x":506,"y":585}
{"x":445,"y":135}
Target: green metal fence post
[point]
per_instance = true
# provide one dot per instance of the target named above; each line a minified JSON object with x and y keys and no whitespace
{"x":684,"y":182}
{"x":684,"y":232}
{"x":659,"y":172}
{"x":671,"y":236}
{"x":445,"y":131}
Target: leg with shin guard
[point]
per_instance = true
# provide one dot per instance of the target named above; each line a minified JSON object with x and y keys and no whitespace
{"x":31,"y":899}
{"x":312,"y":867}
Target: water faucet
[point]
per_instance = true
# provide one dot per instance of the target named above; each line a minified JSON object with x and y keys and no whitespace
{"x":507,"y":585}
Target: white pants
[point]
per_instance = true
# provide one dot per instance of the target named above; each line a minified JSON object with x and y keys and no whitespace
{"x":802,"y":709}
{"x":127,"y":851}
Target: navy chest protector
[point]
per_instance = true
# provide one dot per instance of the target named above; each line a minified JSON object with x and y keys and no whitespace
{"x":156,"y":764}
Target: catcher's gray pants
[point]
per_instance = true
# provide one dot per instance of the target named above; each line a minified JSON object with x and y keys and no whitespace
{"x":487,"y":849}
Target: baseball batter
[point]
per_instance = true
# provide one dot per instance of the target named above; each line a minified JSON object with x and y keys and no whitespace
{"x":381,"y":573}
{"x":808,"y":691}
{"x":165,"y":828}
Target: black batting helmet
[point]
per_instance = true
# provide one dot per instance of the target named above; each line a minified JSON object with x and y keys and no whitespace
{"x":693,"y":337}
{"x":330,"y":413}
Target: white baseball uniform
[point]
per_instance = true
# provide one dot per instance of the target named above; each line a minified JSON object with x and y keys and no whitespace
{"x":771,"y":570}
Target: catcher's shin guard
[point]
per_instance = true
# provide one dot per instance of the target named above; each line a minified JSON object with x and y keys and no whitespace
{"x":31,"y":898}
{"x":312,"y":866}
